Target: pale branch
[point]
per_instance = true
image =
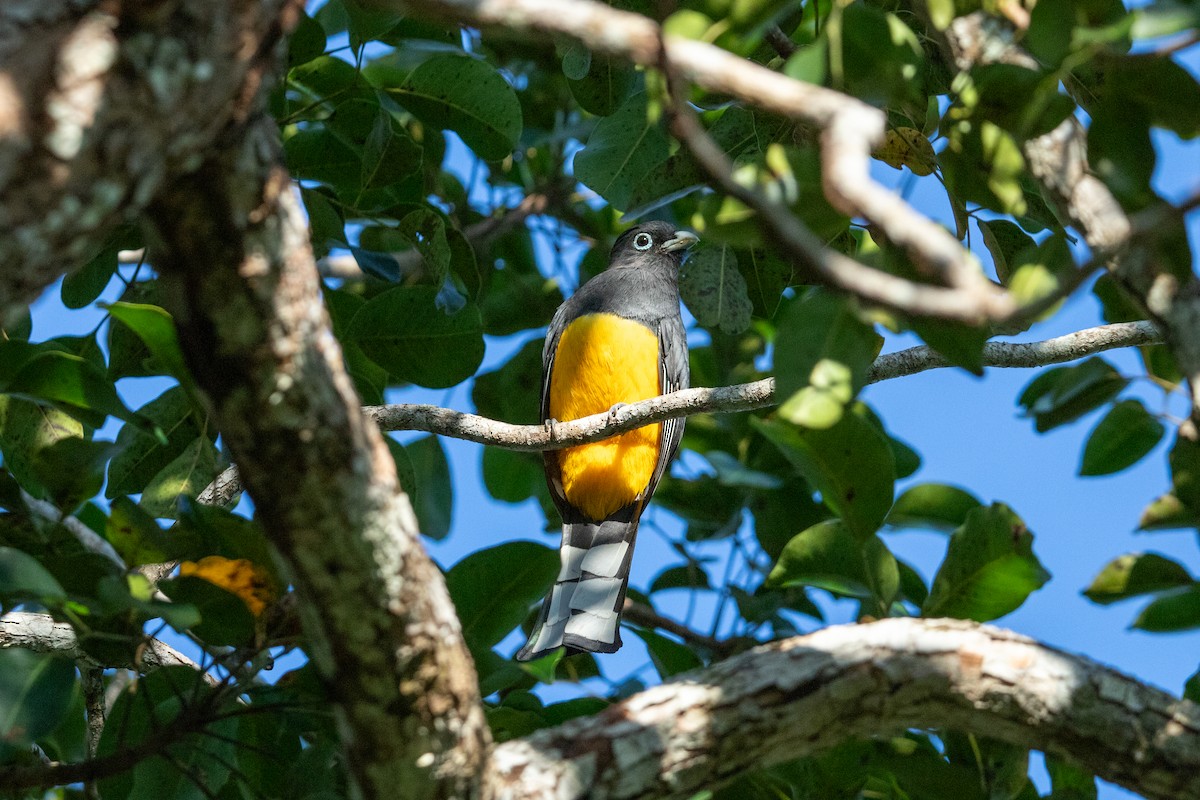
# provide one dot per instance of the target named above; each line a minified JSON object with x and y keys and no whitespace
{"x":802,"y":696}
{"x":824,"y":264}
{"x":1059,"y":350}
{"x":40,"y":633}
{"x":91,"y":541}
{"x":741,"y":397}
{"x":480,"y":235}
{"x":73,"y":76}
{"x":851,"y":128}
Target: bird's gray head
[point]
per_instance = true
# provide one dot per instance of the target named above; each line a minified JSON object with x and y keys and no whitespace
{"x":651,"y":244}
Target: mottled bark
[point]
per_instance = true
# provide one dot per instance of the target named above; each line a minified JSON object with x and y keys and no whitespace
{"x":101,"y":101}
{"x":241,"y":282}
{"x":805,"y":695}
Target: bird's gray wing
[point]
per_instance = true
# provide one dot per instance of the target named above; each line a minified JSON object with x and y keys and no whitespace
{"x":673,"y":374}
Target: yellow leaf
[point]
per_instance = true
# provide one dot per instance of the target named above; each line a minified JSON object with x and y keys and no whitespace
{"x":238,"y":576}
{"x":907,"y":147}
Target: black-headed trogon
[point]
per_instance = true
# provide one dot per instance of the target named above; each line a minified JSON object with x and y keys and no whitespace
{"x":619,"y":339}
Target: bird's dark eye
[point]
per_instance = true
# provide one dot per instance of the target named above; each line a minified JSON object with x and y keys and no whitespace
{"x":643,"y":241}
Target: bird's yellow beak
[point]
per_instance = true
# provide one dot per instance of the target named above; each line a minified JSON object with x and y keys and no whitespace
{"x":682,"y":240}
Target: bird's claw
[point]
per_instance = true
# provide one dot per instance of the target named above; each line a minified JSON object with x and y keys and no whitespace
{"x":612,"y":412}
{"x":551,"y":430}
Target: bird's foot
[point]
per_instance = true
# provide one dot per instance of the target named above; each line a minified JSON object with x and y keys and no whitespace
{"x":551,"y":429}
{"x":614,"y":411}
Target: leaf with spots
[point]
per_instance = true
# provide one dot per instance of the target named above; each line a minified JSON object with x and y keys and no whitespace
{"x":715,"y":291}
{"x":850,"y":464}
{"x":468,"y":96}
{"x":989,"y":568}
{"x":622,"y":149}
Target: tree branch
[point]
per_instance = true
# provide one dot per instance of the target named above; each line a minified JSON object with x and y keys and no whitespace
{"x":480,"y":235}
{"x":742,"y":397}
{"x":802,"y":696}
{"x":41,"y":634}
{"x":72,"y":78}
{"x":239,"y":277}
{"x":851,"y":128}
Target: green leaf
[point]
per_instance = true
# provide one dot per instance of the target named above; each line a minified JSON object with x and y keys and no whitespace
{"x":850,"y":464}
{"x":714,"y":290}
{"x":36,"y":691}
{"x":1005,"y":241}
{"x":1125,"y":434}
{"x":668,"y":656}
{"x":142,"y":455}
{"x":306,"y":42}
{"x":71,"y":470}
{"x":467,"y":96}
{"x":136,"y":536}
{"x":434,"y":498}
{"x":622,"y":149}
{"x":684,"y":576}
{"x":403,"y":331}
{"x":185,"y":476}
{"x":225,"y":619}
{"x":26,"y":429}
{"x":1185,"y":471}
{"x":604,"y":86}
{"x":1178,"y":610}
{"x":830,"y":557}
{"x":1135,"y":574}
{"x":510,"y":475}
{"x":156,"y":329}
{"x":961,"y":345}
{"x":1166,"y":513}
{"x":823,"y":352}
{"x":389,"y":153}
{"x":1068,"y":781}
{"x":932,"y":505}
{"x":84,"y":285}
{"x":989,"y":568}
{"x":23,"y":578}
{"x":510,"y":393}
{"x":1064,"y":394}
{"x":70,"y":383}
{"x":150,"y":705}
{"x":515,"y":301}
{"x":493,"y":588}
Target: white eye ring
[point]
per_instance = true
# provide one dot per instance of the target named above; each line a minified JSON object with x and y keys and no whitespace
{"x":643,"y":241}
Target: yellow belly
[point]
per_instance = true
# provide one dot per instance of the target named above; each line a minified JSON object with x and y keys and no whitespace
{"x":603,"y":360}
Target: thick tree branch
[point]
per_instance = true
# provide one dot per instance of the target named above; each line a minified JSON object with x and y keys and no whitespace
{"x":100,"y":103}
{"x":851,"y":128}
{"x":240,"y":280}
{"x":802,"y":696}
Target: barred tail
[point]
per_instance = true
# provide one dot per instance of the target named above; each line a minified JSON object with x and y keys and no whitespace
{"x":583,"y":609}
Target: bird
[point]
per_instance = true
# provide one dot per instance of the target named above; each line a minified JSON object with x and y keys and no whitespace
{"x":619,"y":339}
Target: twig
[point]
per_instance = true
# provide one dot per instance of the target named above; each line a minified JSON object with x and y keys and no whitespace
{"x":91,"y":541}
{"x":974,"y":304}
{"x":647,"y":617}
{"x":93,"y":702}
{"x":480,"y":235}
